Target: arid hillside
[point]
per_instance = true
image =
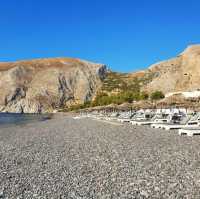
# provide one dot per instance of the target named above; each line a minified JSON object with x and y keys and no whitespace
{"x":44,"y":85}
{"x":181,"y":73}
{"x":176,"y":75}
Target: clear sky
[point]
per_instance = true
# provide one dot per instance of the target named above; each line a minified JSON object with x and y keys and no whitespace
{"x":127,"y":35}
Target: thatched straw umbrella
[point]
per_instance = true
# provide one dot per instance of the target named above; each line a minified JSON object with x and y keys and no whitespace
{"x":143,"y":105}
{"x":125,"y":107}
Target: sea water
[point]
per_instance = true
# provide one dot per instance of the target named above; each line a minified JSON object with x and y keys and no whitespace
{"x":15,"y":118}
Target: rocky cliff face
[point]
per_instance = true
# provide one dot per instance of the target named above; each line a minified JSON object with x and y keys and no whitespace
{"x":44,"y":85}
{"x":178,"y":74}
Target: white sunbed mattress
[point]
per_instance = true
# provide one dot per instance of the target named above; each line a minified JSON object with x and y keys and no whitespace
{"x":189,"y":131}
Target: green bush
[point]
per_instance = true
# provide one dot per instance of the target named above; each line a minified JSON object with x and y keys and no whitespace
{"x":144,"y":96}
{"x":127,"y":97}
{"x":103,"y":99}
{"x":157,"y":95}
{"x":120,"y":98}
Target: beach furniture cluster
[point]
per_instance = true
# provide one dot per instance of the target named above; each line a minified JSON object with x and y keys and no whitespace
{"x":186,"y":122}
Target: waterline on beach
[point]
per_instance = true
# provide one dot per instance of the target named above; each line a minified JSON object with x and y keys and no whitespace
{"x":16,"y":118}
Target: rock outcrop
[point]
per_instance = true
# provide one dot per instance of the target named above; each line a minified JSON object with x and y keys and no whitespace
{"x":178,"y":74}
{"x":44,"y":85}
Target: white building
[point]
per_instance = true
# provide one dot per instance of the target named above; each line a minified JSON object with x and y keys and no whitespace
{"x":186,"y":94}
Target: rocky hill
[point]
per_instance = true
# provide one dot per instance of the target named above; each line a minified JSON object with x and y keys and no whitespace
{"x":176,"y":75}
{"x":44,"y":85}
{"x":181,"y":73}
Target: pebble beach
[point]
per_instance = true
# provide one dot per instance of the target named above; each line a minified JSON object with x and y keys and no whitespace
{"x":86,"y":158}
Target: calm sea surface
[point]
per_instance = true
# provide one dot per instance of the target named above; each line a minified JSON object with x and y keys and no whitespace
{"x":15,"y":118}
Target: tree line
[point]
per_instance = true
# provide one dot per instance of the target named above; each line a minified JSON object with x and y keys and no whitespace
{"x":103,"y":99}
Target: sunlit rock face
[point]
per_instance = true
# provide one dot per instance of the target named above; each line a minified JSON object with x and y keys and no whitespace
{"x":44,"y":85}
{"x":181,"y":73}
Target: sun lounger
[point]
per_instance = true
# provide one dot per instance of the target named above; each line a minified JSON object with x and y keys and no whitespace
{"x":176,"y":122}
{"x":158,"y":123}
{"x":179,"y":126}
{"x":140,"y":123}
{"x":185,"y":121}
{"x":149,"y":121}
{"x":139,"y":120}
{"x":189,"y":131}
{"x":123,"y":120}
{"x":77,"y":117}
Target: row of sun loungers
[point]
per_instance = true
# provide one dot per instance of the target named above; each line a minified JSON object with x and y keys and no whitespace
{"x":185,"y":123}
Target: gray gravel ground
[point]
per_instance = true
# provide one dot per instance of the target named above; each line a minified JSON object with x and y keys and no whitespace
{"x":66,"y":158}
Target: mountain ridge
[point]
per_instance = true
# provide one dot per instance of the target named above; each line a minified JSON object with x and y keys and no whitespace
{"x":44,"y":85}
{"x":48,"y":84}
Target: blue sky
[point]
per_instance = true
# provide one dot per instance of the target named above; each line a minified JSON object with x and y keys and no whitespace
{"x":127,"y":35}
